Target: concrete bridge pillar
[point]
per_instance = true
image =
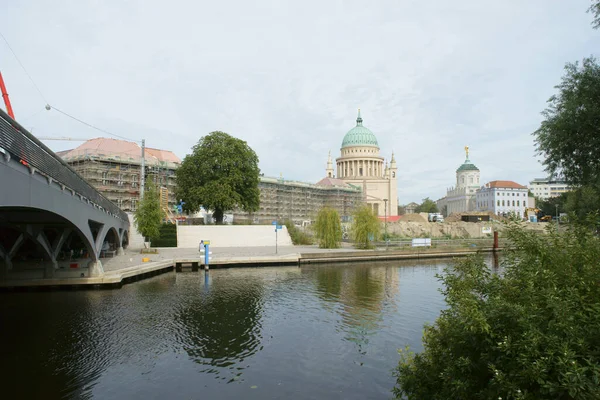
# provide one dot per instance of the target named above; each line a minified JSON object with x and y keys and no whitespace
{"x":120,"y":251}
{"x":95,"y":268}
{"x":49,"y":268}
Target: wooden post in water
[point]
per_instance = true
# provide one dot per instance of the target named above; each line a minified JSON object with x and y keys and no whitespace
{"x":495,"y":241}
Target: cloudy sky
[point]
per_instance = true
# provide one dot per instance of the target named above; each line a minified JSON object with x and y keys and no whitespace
{"x":429,"y":76}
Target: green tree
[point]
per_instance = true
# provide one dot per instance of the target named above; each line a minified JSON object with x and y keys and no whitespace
{"x":595,"y":10}
{"x":427,"y":206}
{"x":582,"y":202}
{"x":365,"y":225}
{"x":148,"y":216}
{"x":328,"y":228}
{"x":221,"y":174}
{"x":548,"y":207}
{"x":530,"y":332}
{"x":569,"y":136}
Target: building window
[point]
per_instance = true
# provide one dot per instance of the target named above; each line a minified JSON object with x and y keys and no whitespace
{"x":498,"y":203}
{"x":104,"y":177}
{"x":470,"y":179}
{"x":120,"y":181}
{"x":133,"y":204}
{"x":134,"y":181}
{"x":513,"y":203}
{"x":518,"y":203}
{"x":502,"y":203}
{"x":119,"y":203}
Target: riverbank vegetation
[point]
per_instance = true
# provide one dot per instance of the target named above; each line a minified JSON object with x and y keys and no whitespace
{"x":528,"y":333}
{"x":328,"y":228}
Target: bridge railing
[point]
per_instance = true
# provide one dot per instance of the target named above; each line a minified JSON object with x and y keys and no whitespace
{"x":30,"y":151}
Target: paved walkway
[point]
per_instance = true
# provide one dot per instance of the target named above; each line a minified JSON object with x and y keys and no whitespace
{"x":132,"y":257}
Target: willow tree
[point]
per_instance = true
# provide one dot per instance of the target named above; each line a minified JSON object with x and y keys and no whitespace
{"x":221,"y":174}
{"x":365,"y":227}
{"x":328,"y":228}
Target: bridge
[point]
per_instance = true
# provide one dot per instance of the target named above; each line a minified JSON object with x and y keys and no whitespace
{"x":53,"y":224}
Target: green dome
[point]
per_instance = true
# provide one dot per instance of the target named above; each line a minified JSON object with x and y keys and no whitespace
{"x":359,"y":136}
{"x":467,"y":166}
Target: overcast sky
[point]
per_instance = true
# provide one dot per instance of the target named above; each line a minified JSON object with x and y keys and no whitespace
{"x":429,"y":76}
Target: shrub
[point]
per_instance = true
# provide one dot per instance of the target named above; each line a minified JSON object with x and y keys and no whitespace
{"x":167,"y":236}
{"x":328,"y":228}
{"x":528,"y":333}
{"x":298,"y":236}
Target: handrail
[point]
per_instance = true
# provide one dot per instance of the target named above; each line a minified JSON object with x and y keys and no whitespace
{"x":21,"y":144}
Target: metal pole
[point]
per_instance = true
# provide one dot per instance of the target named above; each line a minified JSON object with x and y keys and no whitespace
{"x":276,"y":239}
{"x":143,"y":170}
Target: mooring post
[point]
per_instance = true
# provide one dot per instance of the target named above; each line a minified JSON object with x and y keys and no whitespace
{"x":204,"y":248}
{"x":495,"y":240}
{"x":206,"y":257}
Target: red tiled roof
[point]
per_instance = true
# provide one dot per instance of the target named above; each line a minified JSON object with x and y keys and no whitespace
{"x":119,"y":149}
{"x":505,"y":184}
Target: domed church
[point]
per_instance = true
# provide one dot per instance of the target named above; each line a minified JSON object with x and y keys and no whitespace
{"x":361,"y":165}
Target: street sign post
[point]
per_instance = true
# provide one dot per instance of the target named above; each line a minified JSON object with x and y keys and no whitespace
{"x":277,"y":227}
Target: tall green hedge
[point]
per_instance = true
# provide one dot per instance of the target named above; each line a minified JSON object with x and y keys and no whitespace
{"x":167,"y":236}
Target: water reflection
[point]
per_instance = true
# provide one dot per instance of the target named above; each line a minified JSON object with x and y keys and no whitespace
{"x":318,"y":332}
{"x":219,"y":328}
{"x":361,"y":291}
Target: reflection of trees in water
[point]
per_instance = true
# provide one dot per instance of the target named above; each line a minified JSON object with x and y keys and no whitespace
{"x":221,"y":327}
{"x":363,"y":292}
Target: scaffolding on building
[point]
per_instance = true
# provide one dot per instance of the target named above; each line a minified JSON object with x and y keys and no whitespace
{"x":117,"y":175}
{"x":300,"y":202}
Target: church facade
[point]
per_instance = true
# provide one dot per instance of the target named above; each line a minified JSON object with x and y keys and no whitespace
{"x":361,"y":165}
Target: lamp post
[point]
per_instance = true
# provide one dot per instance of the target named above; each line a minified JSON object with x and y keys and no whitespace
{"x":385,"y":221}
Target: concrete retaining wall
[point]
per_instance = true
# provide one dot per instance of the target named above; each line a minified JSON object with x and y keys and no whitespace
{"x":189,"y":236}
{"x":136,"y":240}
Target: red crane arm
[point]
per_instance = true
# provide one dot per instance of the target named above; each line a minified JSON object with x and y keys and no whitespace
{"x":9,"y":109}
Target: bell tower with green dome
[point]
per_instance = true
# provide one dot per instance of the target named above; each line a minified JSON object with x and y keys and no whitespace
{"x":467,"y":175}
{"x":462,"y":197}
{"x":360,"y":164}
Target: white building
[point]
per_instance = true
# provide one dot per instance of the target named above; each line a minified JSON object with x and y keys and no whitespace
{"x":543,"y":189}
{"x":503,"y":198}
{"x":361,"y":165}
{"x":461,"y":198}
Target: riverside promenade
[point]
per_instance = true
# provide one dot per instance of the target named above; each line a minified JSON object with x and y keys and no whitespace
{"x":130,"y":267}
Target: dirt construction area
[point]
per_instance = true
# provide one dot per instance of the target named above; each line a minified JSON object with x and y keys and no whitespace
{"x":416,"y":225}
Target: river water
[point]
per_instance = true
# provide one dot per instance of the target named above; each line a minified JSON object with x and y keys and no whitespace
{"x":317,"y":332}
